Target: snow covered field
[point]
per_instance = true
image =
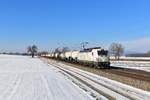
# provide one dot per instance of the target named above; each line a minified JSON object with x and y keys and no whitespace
{"x":24,"y":78}
{"x":112,"y":88}
{"x":140,"y":65}
{"x":133,"y":58}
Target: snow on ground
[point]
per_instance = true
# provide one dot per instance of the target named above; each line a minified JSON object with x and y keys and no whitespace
{"x":140,"y":65}
{"x":25,"y":78}
{"x":123,"y":88}
{"x":133,"y":58}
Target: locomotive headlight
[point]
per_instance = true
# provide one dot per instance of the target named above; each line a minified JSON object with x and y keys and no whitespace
{"x":103,"y":59}
{"x":99,"y":60}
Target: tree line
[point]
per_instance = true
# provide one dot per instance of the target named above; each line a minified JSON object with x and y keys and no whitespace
{"x":116,"y":50}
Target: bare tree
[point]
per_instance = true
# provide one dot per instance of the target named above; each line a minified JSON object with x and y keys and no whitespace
{"x":42,"y":53}
{"x":32,"y":49}
{"x":116,"y":49}
{"x":148,"y":54}
{"x":65,"y":49}
{"x":57,"y":50}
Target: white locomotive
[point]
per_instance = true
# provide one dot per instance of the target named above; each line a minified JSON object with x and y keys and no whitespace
{"x":97,"y":57}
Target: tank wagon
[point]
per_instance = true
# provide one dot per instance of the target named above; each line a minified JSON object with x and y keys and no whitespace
{"x":96,"y":57}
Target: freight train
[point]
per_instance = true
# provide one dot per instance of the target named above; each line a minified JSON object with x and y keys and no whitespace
{"x":94,"y":57}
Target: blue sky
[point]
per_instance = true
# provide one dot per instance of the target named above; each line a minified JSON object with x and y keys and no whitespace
{"x":53,"y":23}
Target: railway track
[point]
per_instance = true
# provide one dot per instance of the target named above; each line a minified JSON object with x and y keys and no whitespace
{"x":126,"y":72}
{"x":111,"y":92}
{"x":132,"y":73}
{"x":87,"y":84}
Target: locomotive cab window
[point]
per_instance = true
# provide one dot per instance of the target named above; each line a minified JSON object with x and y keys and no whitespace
{"x":102,"y":52}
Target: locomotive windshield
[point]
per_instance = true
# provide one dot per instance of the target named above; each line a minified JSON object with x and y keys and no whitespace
{"x":102,"y":52}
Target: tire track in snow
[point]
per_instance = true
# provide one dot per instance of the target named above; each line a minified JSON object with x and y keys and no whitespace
{"x":46,"y":86}
{"x":89,"y":85}
{"x":15,"y":86}
{"x":9,"y":88}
